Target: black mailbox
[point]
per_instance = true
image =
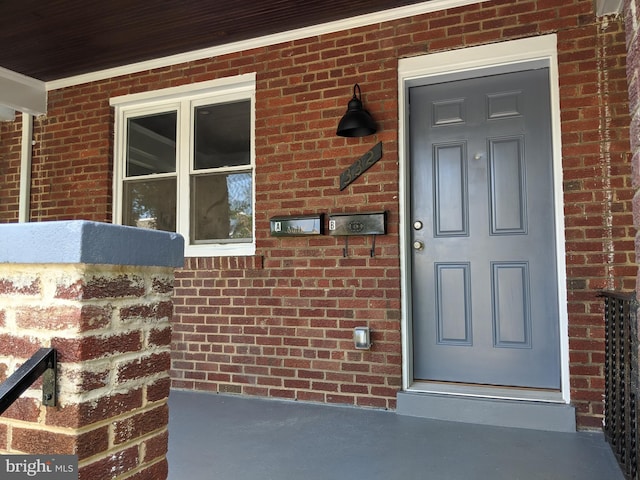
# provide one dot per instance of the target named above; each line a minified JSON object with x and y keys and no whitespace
{"x":358,"y":224}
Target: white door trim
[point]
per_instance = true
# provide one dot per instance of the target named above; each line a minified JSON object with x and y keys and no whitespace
{"x":471,"y":62}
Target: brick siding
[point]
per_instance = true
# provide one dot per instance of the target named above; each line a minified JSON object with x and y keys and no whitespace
{"x":10,"y":144}
{"x":109,"y":326}
{"x":280,"y":323}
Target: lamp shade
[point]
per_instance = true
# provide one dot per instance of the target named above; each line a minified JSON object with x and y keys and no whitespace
{"x":356,"y":122}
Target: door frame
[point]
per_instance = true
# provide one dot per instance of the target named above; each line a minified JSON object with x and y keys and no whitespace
{"x":472,"y":62}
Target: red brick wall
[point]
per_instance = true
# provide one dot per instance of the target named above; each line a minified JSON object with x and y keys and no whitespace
{"x":632,"y":22}
{"x":70,"y":177}
{"x":280,"y":323}
{"x":10,"y":144}
{"x":597,"y":194}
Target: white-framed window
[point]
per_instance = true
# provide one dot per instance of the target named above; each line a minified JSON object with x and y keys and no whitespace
{"x":184,"y":162}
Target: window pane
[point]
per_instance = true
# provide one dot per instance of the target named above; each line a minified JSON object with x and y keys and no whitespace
{"x":222,"y":135}
{"x":221,"y":208}
{"x":150,"y":204}
{"x":151,"y":144}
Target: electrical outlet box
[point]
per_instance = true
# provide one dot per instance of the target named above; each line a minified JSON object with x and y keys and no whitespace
{"x":358,"y":224}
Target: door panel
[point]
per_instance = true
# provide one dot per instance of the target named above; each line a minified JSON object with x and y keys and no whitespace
{"x":510,"y":297}
{"x":484,"y":287}
{"x":450,"y":194}
{"x":452,"y":300}
{"x":506,"y":183}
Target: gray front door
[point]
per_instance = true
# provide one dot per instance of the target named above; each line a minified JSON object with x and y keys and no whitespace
{"x":483,"y":267}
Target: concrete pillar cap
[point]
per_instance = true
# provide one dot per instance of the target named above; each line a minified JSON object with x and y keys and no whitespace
{"x":81,"y":241}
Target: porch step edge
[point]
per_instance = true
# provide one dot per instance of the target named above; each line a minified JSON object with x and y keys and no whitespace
{"x":553,"y":417}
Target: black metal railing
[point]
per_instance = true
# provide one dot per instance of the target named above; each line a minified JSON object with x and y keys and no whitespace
{"x":621,"y":379}
{"x":43,"y":362}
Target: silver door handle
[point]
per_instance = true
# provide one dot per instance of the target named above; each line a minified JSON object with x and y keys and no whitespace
{"x":418,"y":245}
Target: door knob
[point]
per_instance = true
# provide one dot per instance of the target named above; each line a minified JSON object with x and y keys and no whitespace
{"x":418,"y":245}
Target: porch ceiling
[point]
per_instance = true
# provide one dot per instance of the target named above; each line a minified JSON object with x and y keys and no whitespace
{"x":63,"y":38}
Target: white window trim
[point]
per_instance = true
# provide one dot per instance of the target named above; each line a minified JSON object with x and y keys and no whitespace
{"x":183,"y":97}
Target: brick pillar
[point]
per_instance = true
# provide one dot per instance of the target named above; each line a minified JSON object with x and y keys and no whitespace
{"x":632,"y":23}
{"x":100,"y":295}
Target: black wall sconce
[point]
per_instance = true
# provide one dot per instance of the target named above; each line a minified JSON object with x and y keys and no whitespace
{"x":356,"y":122}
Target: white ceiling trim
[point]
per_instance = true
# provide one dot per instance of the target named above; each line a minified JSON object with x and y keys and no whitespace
{"x":22,"y":93}
{"x":608,"y":7}
{"x":355,"y":22}
{"x":7,"y":114}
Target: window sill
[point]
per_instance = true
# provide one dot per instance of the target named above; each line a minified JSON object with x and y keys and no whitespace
{"x":220,"y":250}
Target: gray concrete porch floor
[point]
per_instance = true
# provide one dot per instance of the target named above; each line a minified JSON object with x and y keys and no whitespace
{"x":224,"y":437}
